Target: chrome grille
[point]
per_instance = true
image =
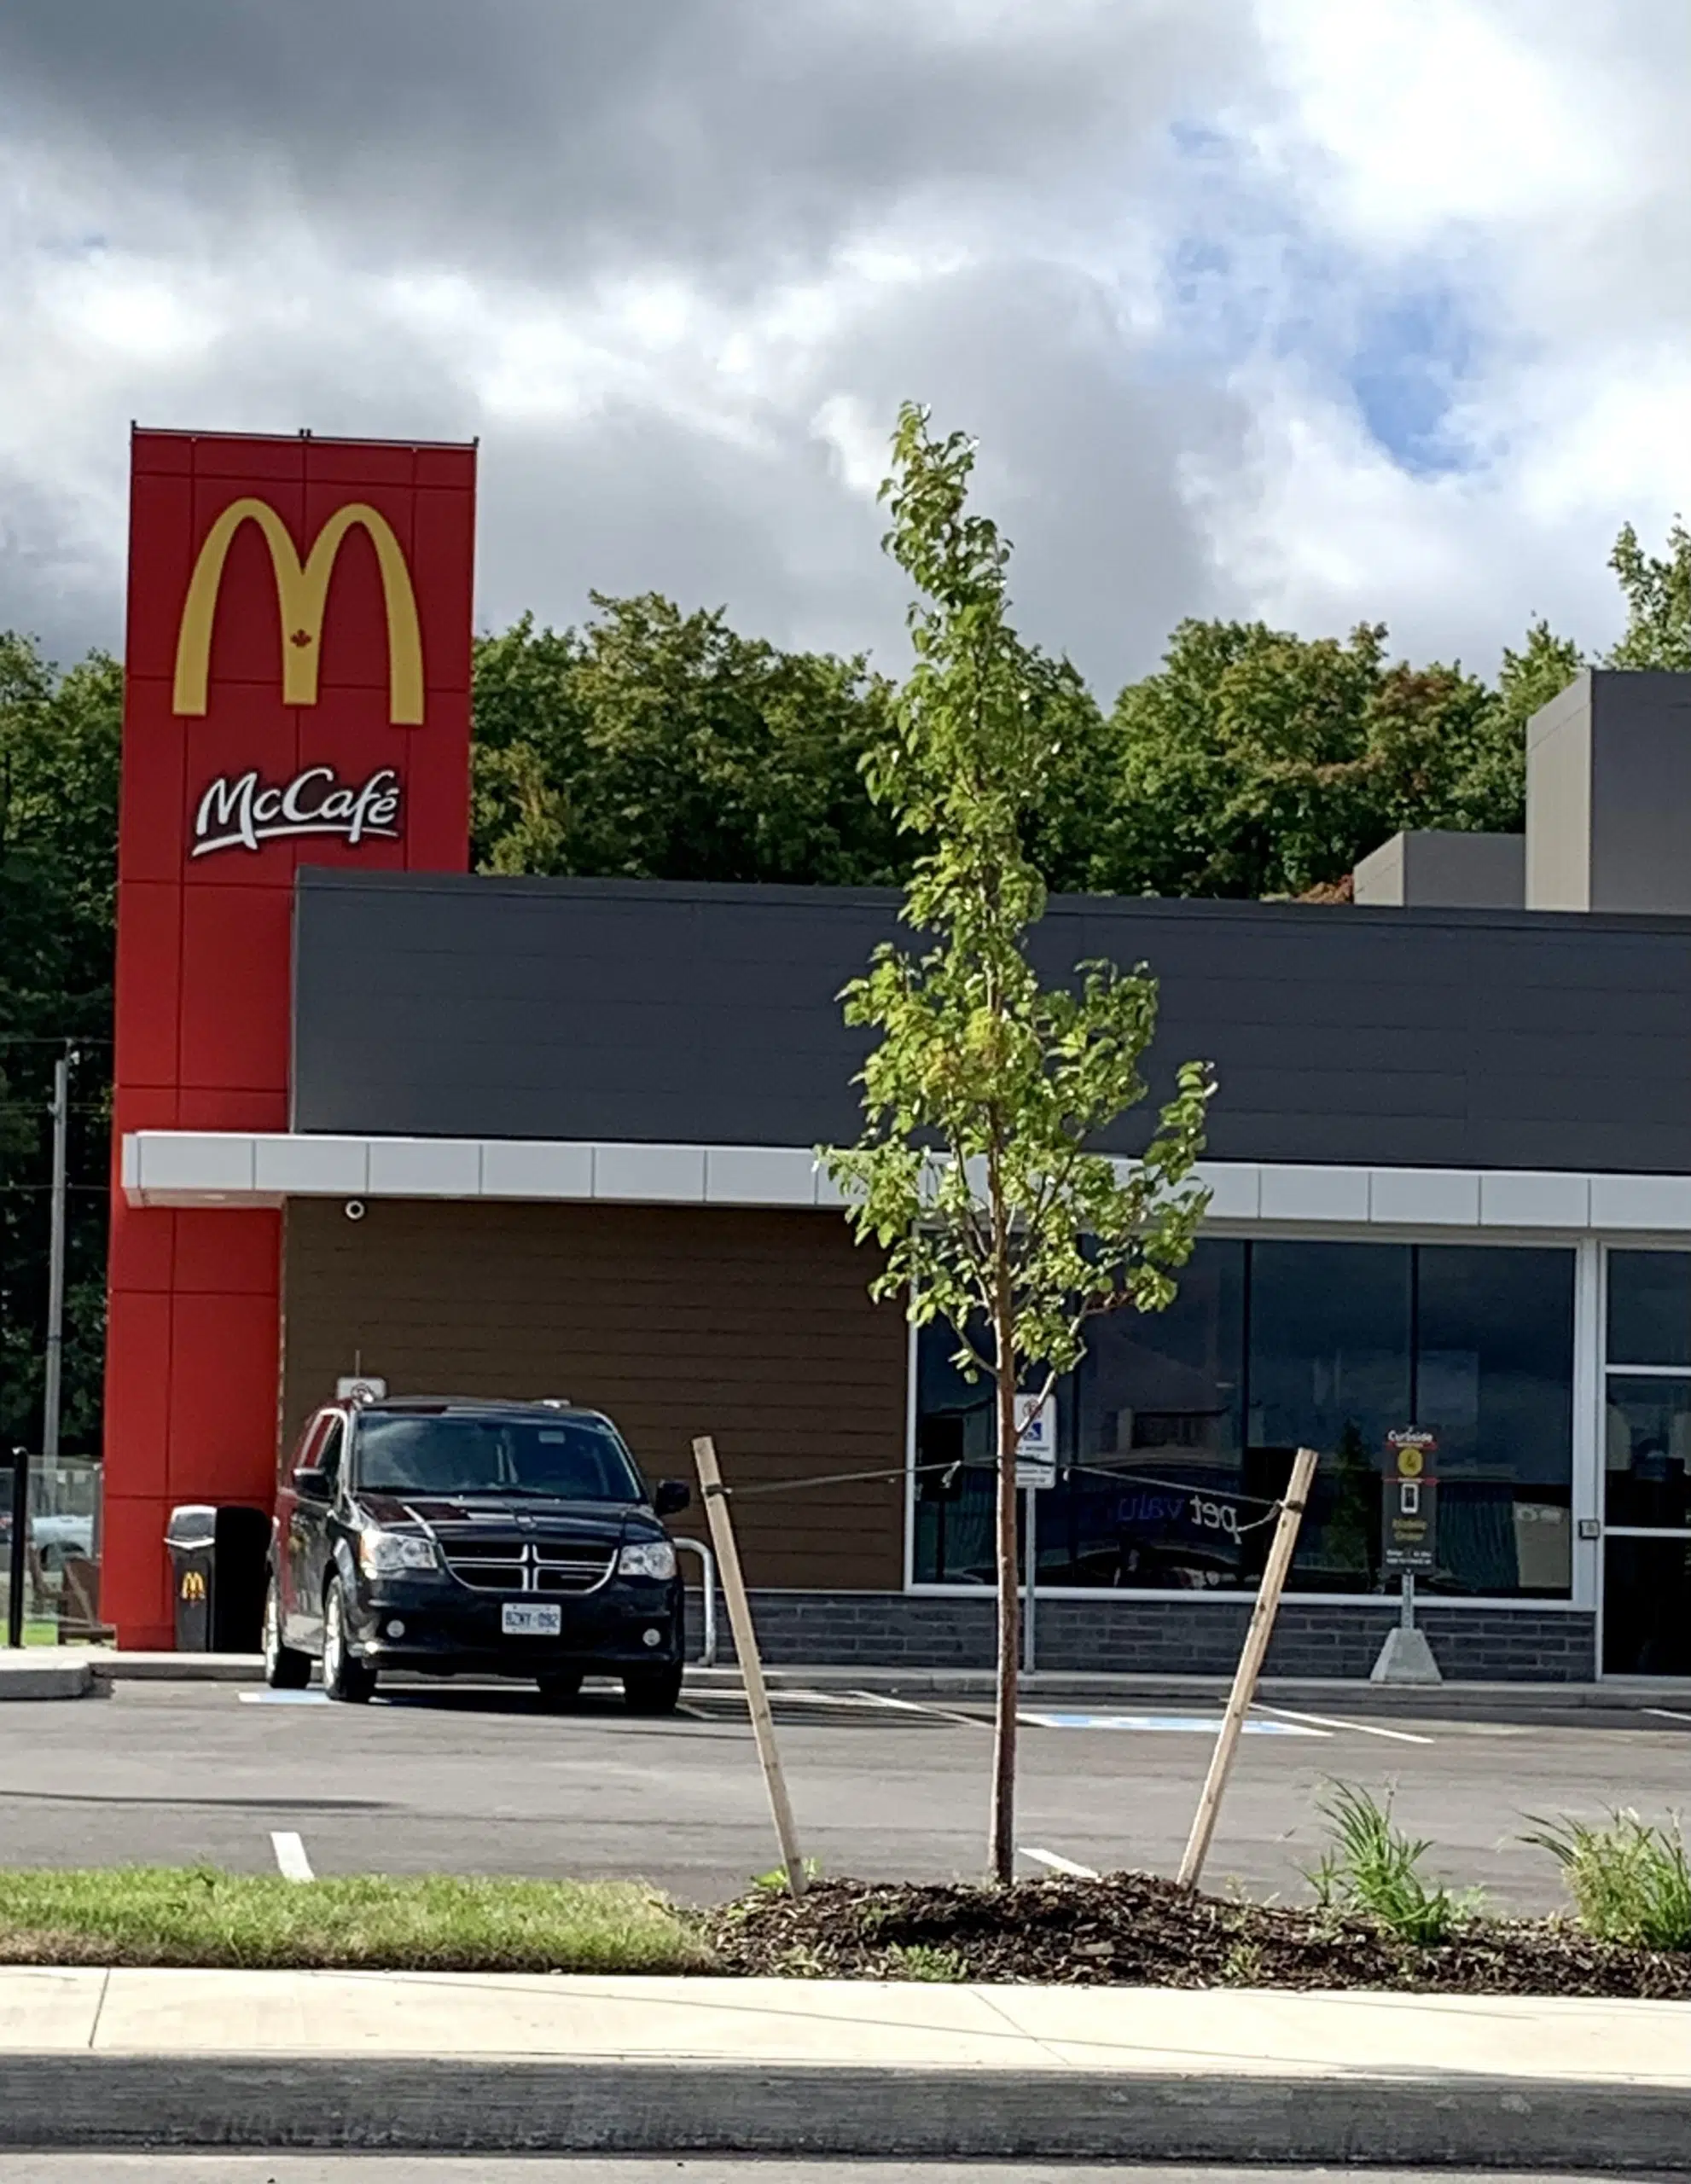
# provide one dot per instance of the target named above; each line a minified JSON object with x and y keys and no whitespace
{"x":502,"y":1566}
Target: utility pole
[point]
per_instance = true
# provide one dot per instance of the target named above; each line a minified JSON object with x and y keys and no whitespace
{"x":54,"y":1376}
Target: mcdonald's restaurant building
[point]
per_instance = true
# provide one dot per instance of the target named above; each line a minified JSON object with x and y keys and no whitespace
{"x":526,"y":1137}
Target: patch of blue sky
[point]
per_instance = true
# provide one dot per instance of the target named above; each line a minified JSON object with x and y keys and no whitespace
{"x":1410,"y":357}
{"x":1245,"y":278}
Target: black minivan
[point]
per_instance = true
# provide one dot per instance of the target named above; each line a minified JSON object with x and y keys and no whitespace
{"x":454,"y":1537}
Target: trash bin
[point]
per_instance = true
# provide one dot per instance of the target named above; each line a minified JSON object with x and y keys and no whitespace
{"x":217,"y":1557}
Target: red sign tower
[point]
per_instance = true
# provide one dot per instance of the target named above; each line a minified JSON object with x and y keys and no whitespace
{"x":297,"y":692}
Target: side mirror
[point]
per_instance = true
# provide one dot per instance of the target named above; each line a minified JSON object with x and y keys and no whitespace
{"x":670,"y":1496}
{"x":311,"y":1485}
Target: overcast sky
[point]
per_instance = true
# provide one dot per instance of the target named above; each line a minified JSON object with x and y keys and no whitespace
{"x":1317,"y":310}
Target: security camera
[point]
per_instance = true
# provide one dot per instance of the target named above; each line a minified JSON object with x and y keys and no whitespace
{"x":355,"y":1209}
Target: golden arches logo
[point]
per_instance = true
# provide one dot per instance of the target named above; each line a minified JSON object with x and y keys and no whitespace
{"x":193,"y":1585}
{"x":301,"y":594}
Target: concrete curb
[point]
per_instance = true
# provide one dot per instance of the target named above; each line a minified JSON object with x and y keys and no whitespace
{"x":27,"y":1677}
{"x":456,"y":2104}
{"x":93,"y":1670}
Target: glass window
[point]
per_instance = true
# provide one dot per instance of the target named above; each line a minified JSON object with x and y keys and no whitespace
{"x":1494,"y":1379}
{"x":327,"y":1458}
{"x":1329,"y":1365}
{"x":1649,"y":1308}
{"x":1179,"y":1428}
{"x":577,"y":1459}
{"x":1156,"y":1441}
{"x":1647,"y":1441}
{"x":955,"y":1441}
{"x":1646,"y":1606}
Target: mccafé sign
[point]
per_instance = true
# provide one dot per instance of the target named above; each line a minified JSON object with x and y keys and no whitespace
{"x":242,"y":810}
{"x":239,"y":812}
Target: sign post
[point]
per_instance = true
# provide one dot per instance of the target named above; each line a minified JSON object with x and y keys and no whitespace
{"x":1409,"y":1545}
{"x":1036,"y":1470}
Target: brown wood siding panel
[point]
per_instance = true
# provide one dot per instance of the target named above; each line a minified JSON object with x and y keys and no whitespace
{"x":755,"y":1326}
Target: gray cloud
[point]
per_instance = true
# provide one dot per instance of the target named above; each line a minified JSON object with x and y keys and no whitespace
{"x":559,"y":134}
{"x":302,"y":173}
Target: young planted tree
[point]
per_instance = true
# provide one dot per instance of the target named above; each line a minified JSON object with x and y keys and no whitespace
{"x":986,"y":1093}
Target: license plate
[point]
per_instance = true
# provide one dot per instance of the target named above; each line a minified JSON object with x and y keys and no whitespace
{"x":520,"y":1619}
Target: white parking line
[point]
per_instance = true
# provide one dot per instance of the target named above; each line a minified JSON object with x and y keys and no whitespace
{"x":1057,"y":1865}
{"x":1362,"y":1728}
{"x":1667,"y":1713}
{"x":912,"y":1706}
{"x":290,"y":1855}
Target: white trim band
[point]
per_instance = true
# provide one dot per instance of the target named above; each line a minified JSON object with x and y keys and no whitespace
{"x":192,"y":1168}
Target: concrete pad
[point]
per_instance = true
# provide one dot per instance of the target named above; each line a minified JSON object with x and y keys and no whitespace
{"x":42,"y":2007}
{"x":403,"y":2014}
{"x":879,"y":2025}
{"x":42,"y":1672}
{"x":1273,"y":2034}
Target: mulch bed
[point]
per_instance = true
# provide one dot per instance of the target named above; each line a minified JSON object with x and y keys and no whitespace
{"x":1137,"y":1929}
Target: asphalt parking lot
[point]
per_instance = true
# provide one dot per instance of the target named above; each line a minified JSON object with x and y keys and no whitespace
{"x":487,"y":1782}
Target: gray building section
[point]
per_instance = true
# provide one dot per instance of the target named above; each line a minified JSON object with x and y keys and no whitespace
{"x":1450,"y":871}
{"x":1608,"y":796}
{"x":622,"y":1010}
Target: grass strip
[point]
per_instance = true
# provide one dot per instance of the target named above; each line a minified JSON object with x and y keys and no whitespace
{"x":200,"y":1917}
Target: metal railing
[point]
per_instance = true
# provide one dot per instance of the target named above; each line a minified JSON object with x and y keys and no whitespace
{"x":707,"y":1658}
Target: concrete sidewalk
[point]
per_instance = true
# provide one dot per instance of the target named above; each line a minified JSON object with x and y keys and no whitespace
{"x":486,"y":2064}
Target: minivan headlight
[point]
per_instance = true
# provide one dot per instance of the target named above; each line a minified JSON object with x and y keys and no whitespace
{"x":383,"y":1554}
{"x":647,"y":1558}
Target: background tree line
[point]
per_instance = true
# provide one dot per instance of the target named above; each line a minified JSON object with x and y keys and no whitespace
{"x":651,"y":743}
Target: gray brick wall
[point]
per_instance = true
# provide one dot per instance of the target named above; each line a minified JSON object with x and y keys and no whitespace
{"x":1163,"y":1637}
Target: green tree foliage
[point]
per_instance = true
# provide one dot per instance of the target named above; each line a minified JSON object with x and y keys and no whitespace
{"x":59,"y":743}
{"x":1257,"y":763}
{"x":1658,"y":594}
{"x":985,"y":1091}
{"x":656,"y":745}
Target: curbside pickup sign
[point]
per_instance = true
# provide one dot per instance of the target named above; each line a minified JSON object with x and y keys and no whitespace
{"x":1036,"y":1441}
{"x":1410,"y":1528}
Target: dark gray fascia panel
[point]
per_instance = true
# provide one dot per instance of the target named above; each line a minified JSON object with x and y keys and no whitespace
{"x":668,"y":1013}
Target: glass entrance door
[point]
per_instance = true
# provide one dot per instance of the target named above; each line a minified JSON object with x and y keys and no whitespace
{"x":1647,"y":1461}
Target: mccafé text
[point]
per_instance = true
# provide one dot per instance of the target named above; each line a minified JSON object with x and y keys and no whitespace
{"x":240,"y":812}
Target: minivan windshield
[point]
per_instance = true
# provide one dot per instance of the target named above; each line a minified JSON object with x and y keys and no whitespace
{"x":575,"y":1459}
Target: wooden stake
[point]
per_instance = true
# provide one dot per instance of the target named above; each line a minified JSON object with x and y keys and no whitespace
{"x":751,"y":1663}
{"x":1250,"y":1666}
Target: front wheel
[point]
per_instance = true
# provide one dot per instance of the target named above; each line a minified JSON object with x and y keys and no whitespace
{"x":345,"y":1676}
{"x":652,"y":1691}
{"x":286,"y":1669}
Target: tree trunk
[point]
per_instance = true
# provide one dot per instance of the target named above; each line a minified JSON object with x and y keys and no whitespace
{"x":1001,"y":1848}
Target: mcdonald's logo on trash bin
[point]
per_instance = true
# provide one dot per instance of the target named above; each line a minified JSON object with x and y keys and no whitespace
{"x":301,"y":594}
{"x":193,"y":1585}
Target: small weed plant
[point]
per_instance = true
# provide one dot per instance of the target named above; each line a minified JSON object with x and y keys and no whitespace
{"x":1375,"y":1869}
{"x":1630,"y":1881}
{"x":923,"y":1961}
{"x":774,"y":1882}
